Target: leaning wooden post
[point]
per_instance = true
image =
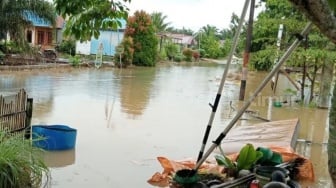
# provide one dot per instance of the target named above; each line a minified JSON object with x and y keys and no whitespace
{"x":246,"y":57}
{"x":29,"y":115}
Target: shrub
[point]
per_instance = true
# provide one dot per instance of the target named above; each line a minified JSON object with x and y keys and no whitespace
{"x":196,"y":55}
{"x":21,"y":164}
{"x":145,"y":43}
{"x":171,"y":50}
{"x":188,"y":54}
{"x":178,"y":58}
{"x":67,"y":46}
{"x":75,"y":60}
{"x":124,"y":51}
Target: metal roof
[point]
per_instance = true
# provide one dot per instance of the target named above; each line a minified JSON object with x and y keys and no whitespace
{"x":36,"y":20}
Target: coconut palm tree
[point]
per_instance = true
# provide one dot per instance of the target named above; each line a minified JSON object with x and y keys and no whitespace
{"x":209,"y":30}
{"x":13,"y":16}
{"x":159,"y":23}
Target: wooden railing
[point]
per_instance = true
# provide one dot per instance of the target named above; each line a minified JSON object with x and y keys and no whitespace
{"x":16,"y":112}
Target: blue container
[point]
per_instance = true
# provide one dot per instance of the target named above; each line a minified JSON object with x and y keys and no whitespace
{"x":54,"y":137}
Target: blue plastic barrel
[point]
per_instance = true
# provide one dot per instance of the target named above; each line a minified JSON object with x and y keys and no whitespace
{"x":54,"y":137}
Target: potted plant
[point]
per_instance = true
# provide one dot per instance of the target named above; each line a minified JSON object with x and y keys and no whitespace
{"x":21,"y":164}
{"x":246,"y":160}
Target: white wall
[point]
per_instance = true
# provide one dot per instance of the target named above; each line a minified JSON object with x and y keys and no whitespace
{"x":83,"y":47}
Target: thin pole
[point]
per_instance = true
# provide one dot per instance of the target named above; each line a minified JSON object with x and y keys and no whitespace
{"x":247,"y":52}
{"x":247,"y":104}
{"x":220,"y":88}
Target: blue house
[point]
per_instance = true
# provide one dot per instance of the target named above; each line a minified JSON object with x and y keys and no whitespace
{"x":108,"y":39}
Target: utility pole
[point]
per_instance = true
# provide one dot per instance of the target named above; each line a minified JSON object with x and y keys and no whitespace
{"x":247,"y":51}
{"x":274,"y":82}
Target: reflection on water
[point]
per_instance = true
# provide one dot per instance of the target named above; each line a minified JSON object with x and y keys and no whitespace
{"x":126,"y":118}
{"x":52,"y":158}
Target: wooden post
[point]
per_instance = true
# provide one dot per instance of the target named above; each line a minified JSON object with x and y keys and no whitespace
{"x":247,"y":52}
{"x":29,"y":115}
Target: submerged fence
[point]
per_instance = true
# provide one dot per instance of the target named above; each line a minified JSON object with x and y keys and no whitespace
{"x":16,"y":112}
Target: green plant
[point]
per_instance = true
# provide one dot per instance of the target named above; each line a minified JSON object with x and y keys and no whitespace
{"x":171,"y":50}
{"x":21,"y":164}
{"x":67,"y":46}
{"x":75,"y":60}
{"x":247,"y":157}
{"x":178,"y":58}
{"x":145,"y":42}
{"x":188,"y":53}
{"x":124,"y":52}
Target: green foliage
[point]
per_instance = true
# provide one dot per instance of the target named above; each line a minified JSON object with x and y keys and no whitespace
{"x":162,"y":55}
{"x":223,"y":160}
{"x":188,"y":54}
{"x":75,"y":60}
{"x":158,"y":20}
{"x":211,"y":47}
{"x":180,"y":31}
{"x":263,"y":60}
{"x":67,"y":46}
{"x":178,"y":58}
{"x":21,"y":164}
{"x":226,"y":47}
{"x":14,"y":22}
{"x":202,"y":52}
{"x":126,"y":50}
{"x":10,"y":47}
{"x":87,"y":17}
{"x":247,"y":157}
{"x":145,"y":43}
{"x":266,"y":28}
{"x":171,"y":49}
{"x":209,"y":42}
{"x":332,"y":4}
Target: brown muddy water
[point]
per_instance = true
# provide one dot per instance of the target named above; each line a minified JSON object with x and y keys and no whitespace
{"x":126,"y":118}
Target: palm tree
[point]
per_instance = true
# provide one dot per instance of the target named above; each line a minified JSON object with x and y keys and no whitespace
{"x":13,"y":16}
{"x":158,"y":21}
{"x":209,"y":30}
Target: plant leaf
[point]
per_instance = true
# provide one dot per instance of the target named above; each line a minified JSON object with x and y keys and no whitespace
{"x":247,"y":157}
{"x":224,"y":161}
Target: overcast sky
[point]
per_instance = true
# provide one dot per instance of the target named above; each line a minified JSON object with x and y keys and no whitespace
{"x":192,"y":14}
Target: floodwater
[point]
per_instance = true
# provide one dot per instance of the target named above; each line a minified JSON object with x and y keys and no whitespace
{"x":127,"y":117}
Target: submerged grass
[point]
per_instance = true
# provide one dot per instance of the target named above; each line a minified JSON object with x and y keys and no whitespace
{"x":21,"y":164}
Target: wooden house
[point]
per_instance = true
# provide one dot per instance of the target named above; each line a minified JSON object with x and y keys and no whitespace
{"x":42,"y":32}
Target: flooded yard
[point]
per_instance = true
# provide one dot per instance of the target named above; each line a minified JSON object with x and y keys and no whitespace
{"x":125,"y":118}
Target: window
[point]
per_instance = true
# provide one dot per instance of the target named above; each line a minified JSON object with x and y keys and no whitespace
{"x":29,"y":36}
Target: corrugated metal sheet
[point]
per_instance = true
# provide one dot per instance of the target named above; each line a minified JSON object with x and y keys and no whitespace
{"x":36,"y":20}
{"x":109,"y":39}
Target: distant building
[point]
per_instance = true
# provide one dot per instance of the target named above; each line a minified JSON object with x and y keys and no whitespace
{"x":183,"y":40}
{"x":60,"y":23}
{"x":109,"y":39}
{"x":42,"y":32}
